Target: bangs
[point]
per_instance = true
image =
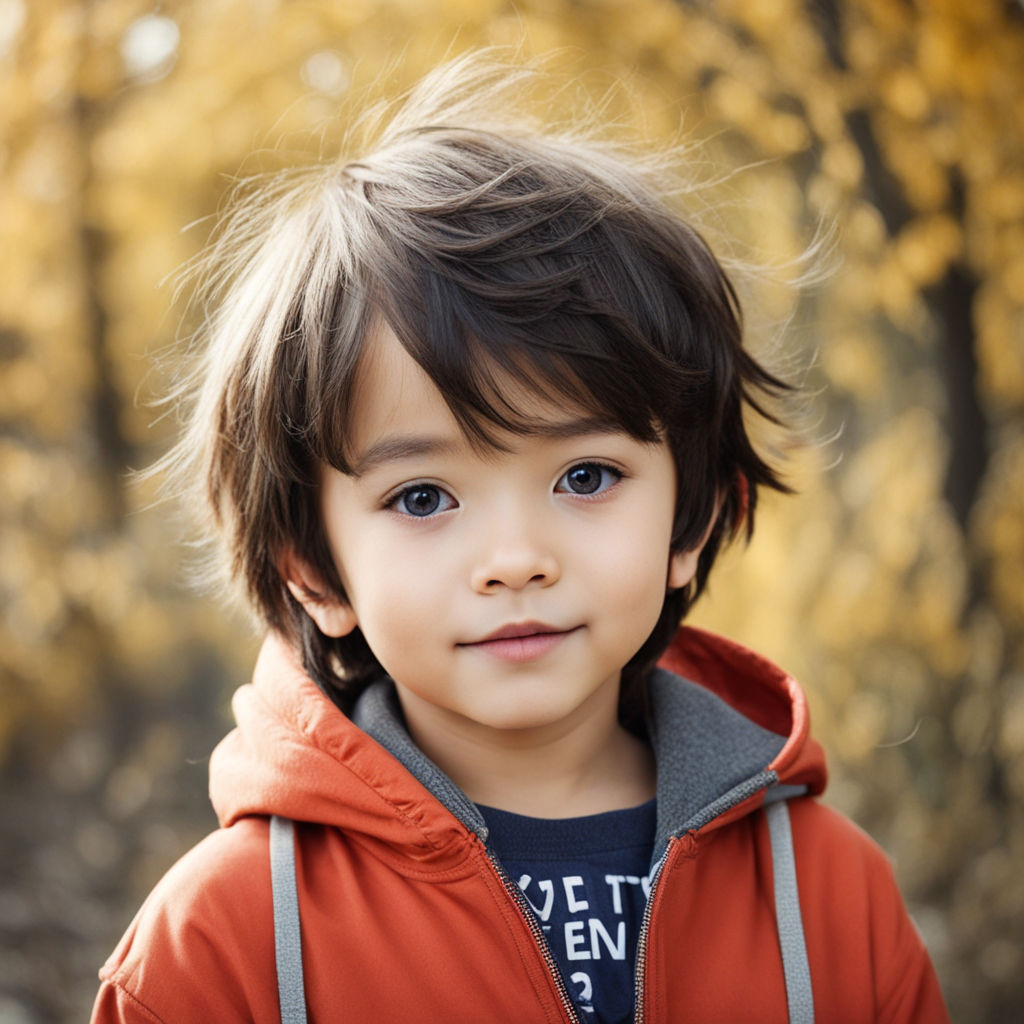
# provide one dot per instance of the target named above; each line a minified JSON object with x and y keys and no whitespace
{"x":505,"y":269}
{"x":538,"y":326}
{"x":491,"y":370}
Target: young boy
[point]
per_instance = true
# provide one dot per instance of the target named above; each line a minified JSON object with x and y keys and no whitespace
{"x":471,"y":427}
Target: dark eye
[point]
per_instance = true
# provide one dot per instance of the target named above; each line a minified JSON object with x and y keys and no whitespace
{"x":422,"y":500}
{"x":588,"y":478}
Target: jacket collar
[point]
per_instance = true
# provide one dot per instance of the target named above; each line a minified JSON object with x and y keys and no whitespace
{"x":710,"y":756}
{"x":726,"y":726}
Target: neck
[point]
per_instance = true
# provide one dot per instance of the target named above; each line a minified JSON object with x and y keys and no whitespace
{"x":585,"y":765}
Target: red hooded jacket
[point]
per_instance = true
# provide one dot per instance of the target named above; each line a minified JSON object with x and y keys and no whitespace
{"x":406,"y":916}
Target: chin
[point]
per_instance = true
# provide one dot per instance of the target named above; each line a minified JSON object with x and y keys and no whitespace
{"x":523,"y":717}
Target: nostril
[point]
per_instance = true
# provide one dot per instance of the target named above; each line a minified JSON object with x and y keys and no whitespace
{"x":515,"y":569}
{"x":539,"y":577}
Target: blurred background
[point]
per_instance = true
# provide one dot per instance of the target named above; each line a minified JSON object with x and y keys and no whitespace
{"x":891,"y":584}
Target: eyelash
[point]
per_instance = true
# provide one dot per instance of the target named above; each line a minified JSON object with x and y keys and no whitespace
{"x":604,"y":467}
{"x":391,"y":502}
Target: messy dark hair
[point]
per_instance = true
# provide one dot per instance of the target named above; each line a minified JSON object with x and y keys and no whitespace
{"x":495,"y":255}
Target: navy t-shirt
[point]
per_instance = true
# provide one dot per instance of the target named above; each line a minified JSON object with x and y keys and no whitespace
{"x":587,"y":881}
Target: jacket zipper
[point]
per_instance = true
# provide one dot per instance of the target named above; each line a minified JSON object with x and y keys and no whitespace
{"x":641,"y":943}
{"x":569,"y":1008}
{"x":516,"y":894}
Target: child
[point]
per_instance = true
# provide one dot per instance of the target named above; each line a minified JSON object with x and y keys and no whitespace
{"x":471,"y":427}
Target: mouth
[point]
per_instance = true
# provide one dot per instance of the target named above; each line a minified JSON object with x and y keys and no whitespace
{"x":521,"y":641}
{"x":516,"y":630}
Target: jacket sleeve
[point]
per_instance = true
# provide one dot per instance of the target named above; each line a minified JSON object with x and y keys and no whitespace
{"x":115,"y":1004}
{"x":202,"y":946}
{"x":907,"y":989}
{"x":860,"y":938}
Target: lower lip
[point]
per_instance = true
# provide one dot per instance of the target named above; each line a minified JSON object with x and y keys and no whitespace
{"x":521,"y":648}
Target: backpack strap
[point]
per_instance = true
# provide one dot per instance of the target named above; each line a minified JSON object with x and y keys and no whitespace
{"x":287,"y":933}
{"x":787,"y":915}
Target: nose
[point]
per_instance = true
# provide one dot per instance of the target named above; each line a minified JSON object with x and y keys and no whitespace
{"x":515,"y":561}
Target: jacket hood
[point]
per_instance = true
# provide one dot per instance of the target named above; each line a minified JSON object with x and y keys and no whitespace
{"x":727,"y":728}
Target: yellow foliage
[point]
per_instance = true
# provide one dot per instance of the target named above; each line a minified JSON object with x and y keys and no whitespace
{"x":904,"y":91}
{"x":896,"y":293}
{"x":842,"y":162}
{"x":927,"y":246}
{"x":863,"y":726}
{"x":856,"y":363}
{"x":999,"y":320}
{"x":907,"y":623}
{"x":1003,"y":199}
{"x":864,"y":228}
{"x":1000,"y":528}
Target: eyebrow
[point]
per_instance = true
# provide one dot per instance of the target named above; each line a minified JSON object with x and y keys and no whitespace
{"x":398,"y":447}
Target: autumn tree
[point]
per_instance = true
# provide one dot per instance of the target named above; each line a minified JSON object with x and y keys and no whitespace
{"x":889,"y":584}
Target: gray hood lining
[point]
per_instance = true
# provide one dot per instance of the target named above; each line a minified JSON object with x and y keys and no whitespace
{"x":379,"y":715}
{"x":709,"y":756}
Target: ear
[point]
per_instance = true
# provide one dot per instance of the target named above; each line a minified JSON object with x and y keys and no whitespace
{"x":682,"y":565}
{"x":332,"y":615}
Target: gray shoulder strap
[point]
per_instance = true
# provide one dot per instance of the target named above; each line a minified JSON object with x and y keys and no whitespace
{"x":787,"y":916}
{"x":287,"y":935}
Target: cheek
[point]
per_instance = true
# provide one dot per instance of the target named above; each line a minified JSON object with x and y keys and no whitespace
{"x":643,"y":593}
{"x":636,"y":544}
{"x":633,"y":578}
{"x":395,"y":619}
{"x":394,"y":590}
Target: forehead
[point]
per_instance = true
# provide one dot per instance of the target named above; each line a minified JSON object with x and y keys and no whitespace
{"x":395,"y":406}
{"x":391,"y":392}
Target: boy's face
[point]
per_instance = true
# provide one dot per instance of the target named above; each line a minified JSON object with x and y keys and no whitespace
{"x":500,"y":590}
